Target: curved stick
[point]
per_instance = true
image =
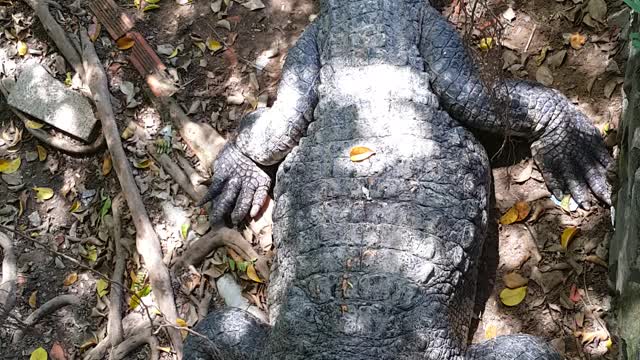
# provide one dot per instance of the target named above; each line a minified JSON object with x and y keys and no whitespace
{"x":46,"y":308}
{"x":115,"y":330}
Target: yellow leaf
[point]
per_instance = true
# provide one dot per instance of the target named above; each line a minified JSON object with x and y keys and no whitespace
{"x":39,"y":354}
{"x":514,"y":280}
{"x":42,"y":152}
{"x":92,"y":253}
{"x":151,"y":7}
{"x":360,"y":153}
{"x":68,"y":80}
{"x":71,"y":279}
{"x":588,"y":337}
{"x":513,"y":297}
{"x":576,"y":40}
{"x":43,"y":193}
{"x":88,"y":343}
{"x":125,"y":43}
{"x":9,"y":166}
{"x":31,"y":124}
{"x":509,"y":217}
{"x":23,"y":49}
{"x":252,"y":274}
{"x":523,"y":210}
{"x":106,"y":165}
{"x":143,"y":164}
{"x":182,"y":323}
{"x":101,"y":287}
{"x":174,"y":53}
{"x":129,"y":131}
{"x":567,"y":235}
{"x":75,"y":206}
{"x":565,"y":203}
{"x":33,"y":299}
{"x":490,"y":332}
{"x":213,"y":45}
{"x":164,"y":349}
{"x":201,"y":46}
{"x":608,"y":343}
{"x":486,"y":43}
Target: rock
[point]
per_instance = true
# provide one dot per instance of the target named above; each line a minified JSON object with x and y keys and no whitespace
{"x":40,"y":95}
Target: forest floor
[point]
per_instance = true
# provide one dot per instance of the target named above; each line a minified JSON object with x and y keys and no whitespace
{"x":559,"y":289}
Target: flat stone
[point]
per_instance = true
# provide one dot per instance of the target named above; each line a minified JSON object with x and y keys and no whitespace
{"x":40,"y":95}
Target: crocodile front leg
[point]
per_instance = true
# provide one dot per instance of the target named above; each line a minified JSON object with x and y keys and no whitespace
{"x":231,"y":334}
{"x":266,"y":136}
{"x":567,"y":148}
{"x":512,"y":347}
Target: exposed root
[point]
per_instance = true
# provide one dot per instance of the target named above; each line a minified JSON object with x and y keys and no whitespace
{"x":9,"y":277}
{"x":46,"y":309}
{"x":133,"y":343}
{"x":194,"y":177}
{"x":218,"y":237}
{"x":115,"y":331}
{"x":134,"y":323}
{"x":177,"y":174}
{"x":147,"y":241}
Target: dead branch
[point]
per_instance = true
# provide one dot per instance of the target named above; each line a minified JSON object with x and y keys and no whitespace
{"x":218,"y":237}
{"x":115,"y":330}
{"x":60,"y":144}
{"x":133,"y":343}
{"x":194,"y":177}
{"x":176,"y":173}
{"x":147,"y":241}
{"x":9,"y":277}
{"x":47,"y":308}
{"x":57,"y":34}
{"x":203,"y":139}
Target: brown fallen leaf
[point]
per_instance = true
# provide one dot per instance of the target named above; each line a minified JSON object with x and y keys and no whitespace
{"x":590,"y":336}
{"x":567,"y":235}
{"x":360,"y":153}
{"x":57,"y":352}
{"x":514,"y":280}
{"x":125,"y":43}
{"x":595,"y":259}
{"x":33,"y":299}
{"x":577,"y":41}
{"x":523,"y":210}
{"x":70,"y":279}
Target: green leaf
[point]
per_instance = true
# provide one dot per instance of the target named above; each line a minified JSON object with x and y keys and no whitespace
{"x":232,"y":264}
{"x":39,"y":354}
{"x":184,"y":230}
{"x":634,"y":5}
{"x":151,"y":7}
{"x":101,"y":287}
{"x":135,"y":300}
{"x":106,"y":206}
{"x":92,"y":253}
{"x":242,"y":265}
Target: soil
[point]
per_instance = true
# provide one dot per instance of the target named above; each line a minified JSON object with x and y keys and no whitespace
{"x":578,"y":306}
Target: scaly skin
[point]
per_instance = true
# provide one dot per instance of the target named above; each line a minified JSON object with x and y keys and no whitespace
{"x":374,"y":259}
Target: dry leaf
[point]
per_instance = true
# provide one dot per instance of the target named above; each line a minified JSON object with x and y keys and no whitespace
{"x":57,"y":352}
{"x":360,"y":153}
{"x":42,"y":152}
{"x":32,"y":124}
{"x":9,"y":166}
{"x":490,"y":332}
{"x":577,"y":41}
{"x":251,"y":274}
{"x":538,"y":210}
{"x":182,"y":323}
{"x":33,"y":299}
{"x":143,"y":164}
{"x":106,"y":164}
{"x":94,"y":29}
{"x":588,"y":337}
{"x":523,"y":210}
{"x":574,"y":294}
{"x":544,"y":75}
{"x":70,"y":279}
{"x":43,"y":193}
{"x":125,"y":43}
{"x":567,"y":235}
{"x":23,"y":49}
{"x":543,"y":54}
{"x":75,"y":206}
{"x":213,"y":45}
{"x":513,"y":297}
{"x":598,"y":10}
{"x":509,"y":217}
{"x":514,"y":280}
{"x":596,"y":260}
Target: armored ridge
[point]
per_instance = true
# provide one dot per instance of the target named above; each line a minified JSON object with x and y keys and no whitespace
{"x":378,"y":259}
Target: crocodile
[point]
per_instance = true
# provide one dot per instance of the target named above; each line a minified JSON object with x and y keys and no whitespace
{"x":378,"y":258}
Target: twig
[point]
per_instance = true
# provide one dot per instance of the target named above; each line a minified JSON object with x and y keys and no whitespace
{"x":176,"y":173}
{"x":147,"y":241}
{"x":526,"y":48}
{"x":46,"y":308}
{"x":134,"y":343}
{"x":130,"y":325}
{"x":9,"y":277}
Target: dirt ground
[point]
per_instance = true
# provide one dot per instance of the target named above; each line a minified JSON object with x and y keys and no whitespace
{"x":567,"y":298}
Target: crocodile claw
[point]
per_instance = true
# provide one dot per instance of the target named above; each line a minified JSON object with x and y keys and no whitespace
{"x":573,"y":159}
{"x":239,"y":186}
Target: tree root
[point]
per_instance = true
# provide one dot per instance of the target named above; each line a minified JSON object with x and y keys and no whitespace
{"x":133,"y":324}
{"x":147,"y":241}
{"x":133,"y":343}
{"x":46,"y":308}
{"x":196,"y":193}
{"x":115,"y":331}
{"x":9,"y":278}
{"x":218,"y":237}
